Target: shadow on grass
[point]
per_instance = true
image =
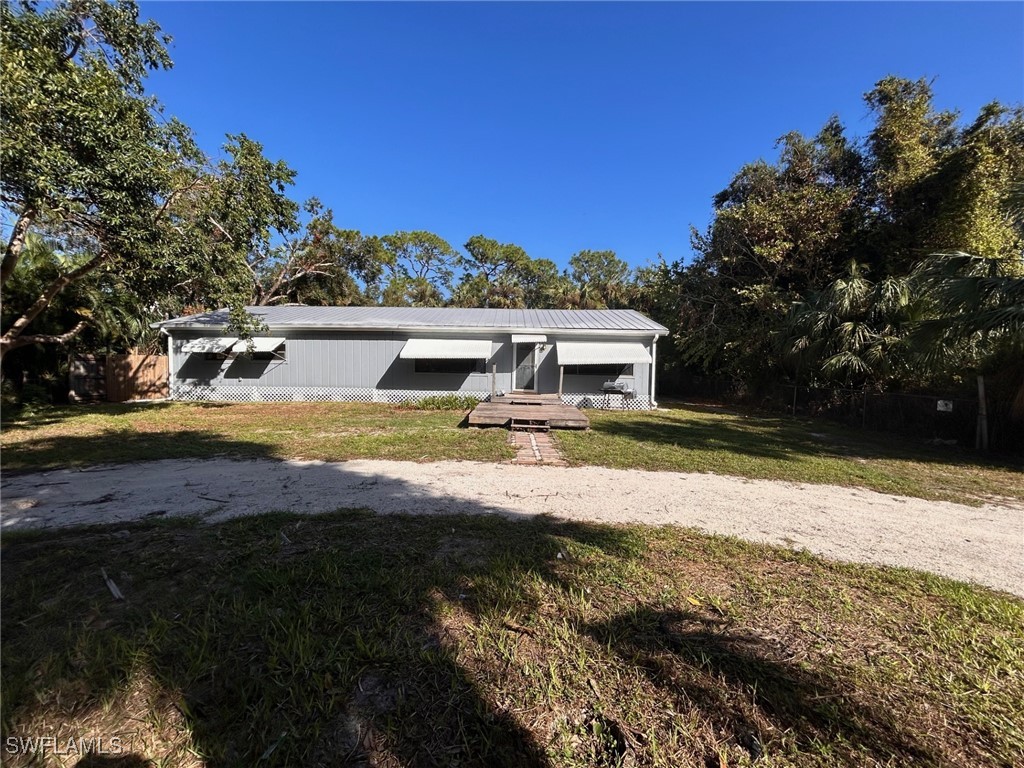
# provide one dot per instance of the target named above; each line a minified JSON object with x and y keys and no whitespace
{"x":42,"y":416}
{"x":281,"y":639}
{"x":748,"y":686}
{"x":112,"y":446}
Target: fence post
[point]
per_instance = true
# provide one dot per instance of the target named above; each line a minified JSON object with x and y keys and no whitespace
{"x":864,"y":410}
{"x":795,"y":389}
{"x":981,"y":439}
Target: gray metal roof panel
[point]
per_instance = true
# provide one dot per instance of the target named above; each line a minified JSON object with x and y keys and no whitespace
{"x":432,"y":317}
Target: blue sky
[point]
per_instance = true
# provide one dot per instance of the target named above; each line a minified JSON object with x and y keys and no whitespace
{"x":563,"y":126}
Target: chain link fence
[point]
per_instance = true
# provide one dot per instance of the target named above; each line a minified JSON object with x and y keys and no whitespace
{"x":950,"y":419}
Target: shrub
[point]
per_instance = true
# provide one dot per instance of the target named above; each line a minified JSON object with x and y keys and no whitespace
{"x":447,"y":403}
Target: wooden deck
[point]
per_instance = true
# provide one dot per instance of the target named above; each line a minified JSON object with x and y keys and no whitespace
{"x":536,"y":411}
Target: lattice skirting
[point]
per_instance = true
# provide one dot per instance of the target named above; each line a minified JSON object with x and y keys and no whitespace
{"x":607,"y":402}
{"x":187,"y":391}
{"x":184,"y":391}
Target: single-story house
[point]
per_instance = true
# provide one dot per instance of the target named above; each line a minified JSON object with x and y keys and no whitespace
{"x":598,"y":358}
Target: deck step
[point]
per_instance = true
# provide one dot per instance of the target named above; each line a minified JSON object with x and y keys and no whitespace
{"x":530,"y":425}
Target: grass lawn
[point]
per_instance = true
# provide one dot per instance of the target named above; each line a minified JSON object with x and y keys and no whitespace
{"x":81,"y":435}
{"x":696,"y":439}
{"x":397,"y":641}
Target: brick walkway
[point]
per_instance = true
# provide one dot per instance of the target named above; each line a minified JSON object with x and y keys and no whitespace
{"x":535,"y":448}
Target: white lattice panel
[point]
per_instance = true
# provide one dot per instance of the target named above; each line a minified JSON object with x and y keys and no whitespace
{"x":187,"y":391}
{"x":184,"y":391}
{"x":607,"y":402}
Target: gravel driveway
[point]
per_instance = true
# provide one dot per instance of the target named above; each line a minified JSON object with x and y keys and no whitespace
{"x":983,"y":544}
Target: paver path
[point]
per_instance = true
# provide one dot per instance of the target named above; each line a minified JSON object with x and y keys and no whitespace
{"x":536,"y":448}
{"x":984,"y":544}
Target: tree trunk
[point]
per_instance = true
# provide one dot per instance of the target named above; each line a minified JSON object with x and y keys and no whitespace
{"x":16,"y":243}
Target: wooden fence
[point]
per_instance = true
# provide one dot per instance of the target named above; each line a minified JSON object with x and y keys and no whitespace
{"x":117,"y":378}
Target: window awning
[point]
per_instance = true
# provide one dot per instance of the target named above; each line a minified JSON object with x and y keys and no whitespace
{"x":446,"y":349}
{"x":209,"y":344}
{"x":259,"y":344}
{"x":527,"y":338}
{"x":601,"y":352}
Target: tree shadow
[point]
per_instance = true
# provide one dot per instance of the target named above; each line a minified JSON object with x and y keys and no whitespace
{"x":113,"y":446}
{"x":280,"y":639}
{"x":751,"y":689}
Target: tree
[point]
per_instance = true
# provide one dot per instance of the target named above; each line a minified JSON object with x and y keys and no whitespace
{"x":600,"y":280}
{"x":538,"y":279}
{"x":421,"y":266}
{"x":323,"y":264}
{"x":935,"y":186}
{"x":89,"y":161}
{"x":855,"y":332}
{"x":493,"y":276}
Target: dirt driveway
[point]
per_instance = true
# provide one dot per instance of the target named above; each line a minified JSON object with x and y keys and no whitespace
{"x":983,"y":544}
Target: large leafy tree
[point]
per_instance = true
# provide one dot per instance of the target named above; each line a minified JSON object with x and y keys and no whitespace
{"x":935,"y":186}
{"x":784,"y":233}
{"x":322,"y":264}
{"x":122,"y":193}
{"x":596,"y":280}
{"x":780,"y":230}
{"x":420,"y":266}
{"x":493,"y":274}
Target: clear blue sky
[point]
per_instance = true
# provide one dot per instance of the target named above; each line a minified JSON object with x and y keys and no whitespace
{"x":558,"y":127}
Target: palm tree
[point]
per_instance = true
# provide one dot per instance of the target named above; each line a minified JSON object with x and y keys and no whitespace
{"x":973,"y":294}
{"x":854,"y":332}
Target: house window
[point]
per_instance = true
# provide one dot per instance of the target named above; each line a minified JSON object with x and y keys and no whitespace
{"x":608,"y":371}
{"x":431,"y":365}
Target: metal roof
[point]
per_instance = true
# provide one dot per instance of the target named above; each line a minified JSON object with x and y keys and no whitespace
{"x":427,"y":318}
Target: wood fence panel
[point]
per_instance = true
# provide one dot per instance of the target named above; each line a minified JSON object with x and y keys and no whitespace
{"x":136,"y":377}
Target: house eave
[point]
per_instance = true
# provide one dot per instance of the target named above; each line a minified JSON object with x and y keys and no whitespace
{"x":431,"y":330}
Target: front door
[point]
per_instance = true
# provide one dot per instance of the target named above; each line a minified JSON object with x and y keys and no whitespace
{"x":526,"y":366}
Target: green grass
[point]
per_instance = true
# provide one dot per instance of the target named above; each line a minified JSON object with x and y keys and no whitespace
{"x":476,"y":641}
{"x":83,"y":435}
{"x":695,"y":439}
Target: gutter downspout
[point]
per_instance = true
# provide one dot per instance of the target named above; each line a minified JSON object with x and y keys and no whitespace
{"x":170,"y":363}
{"x":654,"y":360}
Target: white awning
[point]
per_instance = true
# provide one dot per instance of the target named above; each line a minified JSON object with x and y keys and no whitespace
{"x":209,"y":344}
{"x":528,"y":338}
{"x":259,"y":344}
{"x":446,"y":349}
{"x":601,"y":352}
